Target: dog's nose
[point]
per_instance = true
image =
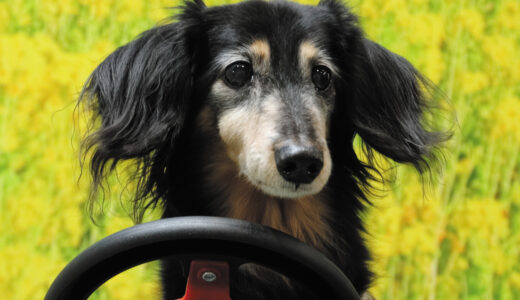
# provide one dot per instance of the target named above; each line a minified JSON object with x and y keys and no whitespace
{"x":298,"y":164}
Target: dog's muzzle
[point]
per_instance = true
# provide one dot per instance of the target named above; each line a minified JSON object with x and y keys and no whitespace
{"x":298,"y":164}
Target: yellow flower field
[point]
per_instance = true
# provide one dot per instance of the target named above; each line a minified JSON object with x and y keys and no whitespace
{"x":457,"y":238}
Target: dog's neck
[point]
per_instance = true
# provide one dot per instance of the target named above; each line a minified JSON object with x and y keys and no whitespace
{"x":233,"y":196}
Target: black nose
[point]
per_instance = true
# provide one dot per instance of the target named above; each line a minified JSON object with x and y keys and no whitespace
{"x":298,"y":164}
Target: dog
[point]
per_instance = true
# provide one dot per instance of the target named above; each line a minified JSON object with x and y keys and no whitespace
{"x":250,"y":111}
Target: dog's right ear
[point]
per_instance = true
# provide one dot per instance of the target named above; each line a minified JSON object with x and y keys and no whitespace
{"x":143,"y":92}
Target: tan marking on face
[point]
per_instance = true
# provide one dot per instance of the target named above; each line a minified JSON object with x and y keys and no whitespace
{"x":310,"y":55}
{"x":308,"y":52}
{"x":260,"y":51}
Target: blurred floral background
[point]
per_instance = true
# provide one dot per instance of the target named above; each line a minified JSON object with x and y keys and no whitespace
{"x":457,"y":239}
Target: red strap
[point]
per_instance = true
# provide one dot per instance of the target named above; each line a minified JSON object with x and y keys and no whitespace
{"x":207,"y":280}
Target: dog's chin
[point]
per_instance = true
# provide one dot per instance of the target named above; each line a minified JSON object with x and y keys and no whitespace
{"x":287,"y":190}
{"x":293,"y":192}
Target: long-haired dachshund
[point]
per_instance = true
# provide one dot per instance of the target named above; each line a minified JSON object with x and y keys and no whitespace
{"x":249,"y":111}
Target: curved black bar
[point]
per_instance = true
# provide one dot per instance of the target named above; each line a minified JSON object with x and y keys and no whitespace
{"x":199,"y":237}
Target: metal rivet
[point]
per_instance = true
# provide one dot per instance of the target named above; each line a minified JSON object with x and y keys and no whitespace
{"x":209,"y":276}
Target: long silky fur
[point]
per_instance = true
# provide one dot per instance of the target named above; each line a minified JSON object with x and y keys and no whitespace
{"x":143,"y":94}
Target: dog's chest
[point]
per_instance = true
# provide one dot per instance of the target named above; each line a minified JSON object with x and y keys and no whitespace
{"x":303,"y":218}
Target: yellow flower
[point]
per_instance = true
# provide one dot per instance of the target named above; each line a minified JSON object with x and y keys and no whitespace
{"x":434,"y":64}
{"x":506,"y":118}
{"x":396,"y":6}
{"x":100,"y":9}
{"x":473,"y":81}
{"x":499,"y":260}
{"x":472,"y":21}
{"x":4,"y":16}
{"x":501,"y":50}
{"x":419,"y":237}
{"x":514,"y":280}
{"x":509,"y":15}
{"x":422,"y":28}
{"x":124,"y":285}
{"x":25,"y":273}
{"x":209,"y":2}
{"x":485,"y":219}
{"x":159,"y":9}
{"x":384,"y":230}
{"x":117,"y":223}
{"x":56,"y":7}
{"x":126,"y":10}
{"x":461,"y":264}
{"x":369,"y":11}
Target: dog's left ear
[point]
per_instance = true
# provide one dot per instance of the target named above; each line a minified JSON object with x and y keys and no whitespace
{"x":390,"y":103}
{"x":387,"y":100}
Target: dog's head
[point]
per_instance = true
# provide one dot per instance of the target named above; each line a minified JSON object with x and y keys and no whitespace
{"x":273,"y":93}
{"x":285,"y":82}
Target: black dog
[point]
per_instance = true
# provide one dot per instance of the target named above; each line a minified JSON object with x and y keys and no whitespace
{"x":249,"y":111}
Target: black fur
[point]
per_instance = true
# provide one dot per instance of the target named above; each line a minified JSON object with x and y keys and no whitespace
{"x":148,"y":92}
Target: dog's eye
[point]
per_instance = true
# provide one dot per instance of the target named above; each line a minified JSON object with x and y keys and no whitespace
{"x":238,"y":73}
{"x":321,"y":77}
